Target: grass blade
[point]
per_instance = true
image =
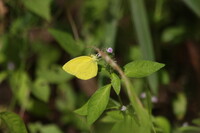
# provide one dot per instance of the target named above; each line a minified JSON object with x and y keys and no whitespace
{"x":139,"y":18}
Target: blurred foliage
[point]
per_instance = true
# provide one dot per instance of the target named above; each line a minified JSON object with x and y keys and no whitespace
{"x":38,"y":36}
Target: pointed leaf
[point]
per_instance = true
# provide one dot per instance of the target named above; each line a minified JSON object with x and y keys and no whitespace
{"x":66,"y":41}
{"x":83,"y":110}
{"x":116,"y":83}
{"x":13,"y":122}
{"x":39,"y":7}
{"x":141,"y":68}
{"x":97,"y":103}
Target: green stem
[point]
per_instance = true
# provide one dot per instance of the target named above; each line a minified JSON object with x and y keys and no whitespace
{"x":131,"y":94}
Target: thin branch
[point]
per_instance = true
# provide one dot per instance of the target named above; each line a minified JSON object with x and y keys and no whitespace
{"x":73,"y":25}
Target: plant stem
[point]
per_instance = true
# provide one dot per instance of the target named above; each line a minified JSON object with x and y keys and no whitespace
{"x":131,"y":94}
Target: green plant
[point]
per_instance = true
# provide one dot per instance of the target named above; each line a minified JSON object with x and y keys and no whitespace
{"x":133,"y":112}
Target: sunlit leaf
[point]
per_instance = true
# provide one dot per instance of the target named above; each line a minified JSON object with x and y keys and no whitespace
{"x":116,"y":83}
{"x":113,"y":116}
{"x":163,"y":124}
{"x":80,"y":122}
{"x":141,"y":68}
{"x":97,"y":103}
{"x":66,"y":41}
{"x":82,"y":110}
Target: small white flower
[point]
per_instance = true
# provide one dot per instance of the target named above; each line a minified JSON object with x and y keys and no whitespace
{"x":143,"y":95}
{"x":154,"y":99}
{"x":124,"y":108}
{"x":109,"y":50}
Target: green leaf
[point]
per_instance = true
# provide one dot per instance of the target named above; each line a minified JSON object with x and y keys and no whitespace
{"x":13,"y":122}
{"x":194,"y":5}
{"x":141,"y":68}
{"x":66,"y":41}
{"x":83,"y":110}
{"x":54,"y":74}
{"x":39,"y":7}
{"x":163,"y":124}
{"x":180,"y":106}
{"x":38,"y":127}
{"x":51,"y":128}
{"x":3,"y":75}
{"x":173,"y":34}
{"x":112,"y":104}
{"x":116,"y":83}
{"x":34,"y":127}
{"x":165,"y":78}
{"x":189,"y":129}
{"x":41,"y":89}
{"x":127,"y":125}
{"x":97,"y":103}
{"x":113,"y":116}
{"x":20,"y":82}
{"x":196,"y":121}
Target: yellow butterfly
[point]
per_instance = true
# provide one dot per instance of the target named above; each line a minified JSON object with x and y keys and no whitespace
{"x":83,"y":67}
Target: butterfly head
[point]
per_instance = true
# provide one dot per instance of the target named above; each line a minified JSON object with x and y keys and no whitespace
{"x":94,"y":57}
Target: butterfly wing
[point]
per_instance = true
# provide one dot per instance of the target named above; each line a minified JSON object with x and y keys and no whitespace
{"x":87,"y":70}
{"x":83,"y":67}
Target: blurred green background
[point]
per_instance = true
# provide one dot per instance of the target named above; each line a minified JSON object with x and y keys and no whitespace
{"x":38,"y":36}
